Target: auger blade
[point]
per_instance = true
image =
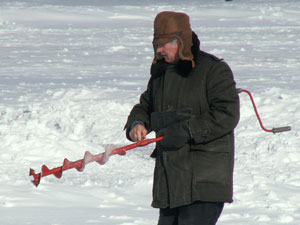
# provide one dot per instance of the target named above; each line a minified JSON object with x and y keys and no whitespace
{"x":31,"y":172}
{"x":45,"y":169}
{"x":36,"y":177}
{"x":57,"y":172}
{"x":66,"y":163}
{"x":101,"y":158}
{"x":78,"y":165}
{"x":88,"y":157}
{"x":81,"y":165}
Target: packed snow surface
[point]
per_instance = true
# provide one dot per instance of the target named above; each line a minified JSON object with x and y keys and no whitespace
{"x":70,"y":72}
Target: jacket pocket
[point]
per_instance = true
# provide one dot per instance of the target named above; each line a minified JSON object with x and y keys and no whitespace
{"x":213,"y":162}
{"x":222,"y":144}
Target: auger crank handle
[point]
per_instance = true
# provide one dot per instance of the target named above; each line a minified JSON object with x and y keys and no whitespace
{"x":274,"y":130}
{"x":281,"y":129}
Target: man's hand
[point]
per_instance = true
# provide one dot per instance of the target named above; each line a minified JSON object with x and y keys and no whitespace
{"x":138,"y":132}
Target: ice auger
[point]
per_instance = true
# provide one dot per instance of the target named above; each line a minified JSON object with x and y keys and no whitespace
{"x":101,"y":158}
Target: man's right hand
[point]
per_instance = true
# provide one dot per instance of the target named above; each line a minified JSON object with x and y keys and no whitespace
{"x":138,"y":132}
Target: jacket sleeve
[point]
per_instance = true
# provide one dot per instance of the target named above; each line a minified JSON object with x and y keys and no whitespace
{"x":141,"y":111}
{"x":222,"y":114}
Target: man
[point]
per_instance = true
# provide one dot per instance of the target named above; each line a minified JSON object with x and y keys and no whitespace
{"x":191,"y":101}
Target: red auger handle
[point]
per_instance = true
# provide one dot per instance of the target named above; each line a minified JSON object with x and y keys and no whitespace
{"x":141,"y":143}
{"x":274,"y":130}
{"x":148,"y":141}
{"x":281,"y":129}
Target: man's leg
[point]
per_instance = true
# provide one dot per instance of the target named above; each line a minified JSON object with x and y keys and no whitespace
{"x":200,"y":213}
{"x":168,"y":216}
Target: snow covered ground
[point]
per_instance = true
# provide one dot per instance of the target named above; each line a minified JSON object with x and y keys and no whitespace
{"x":70,"y":72}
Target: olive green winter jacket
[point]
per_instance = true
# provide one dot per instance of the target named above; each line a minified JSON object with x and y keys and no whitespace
{"x":202,"y":167}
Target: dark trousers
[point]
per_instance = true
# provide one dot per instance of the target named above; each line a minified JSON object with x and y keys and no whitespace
{"x":198,"y":213}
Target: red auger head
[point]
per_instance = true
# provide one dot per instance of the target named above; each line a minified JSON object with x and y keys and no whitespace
{"x":88,"y":157}
{"x":36,"y":177}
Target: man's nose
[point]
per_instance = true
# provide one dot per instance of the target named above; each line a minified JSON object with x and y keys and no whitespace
{"x":159,"y":50}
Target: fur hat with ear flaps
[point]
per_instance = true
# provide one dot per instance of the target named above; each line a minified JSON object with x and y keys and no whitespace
{"x":173,"y":25}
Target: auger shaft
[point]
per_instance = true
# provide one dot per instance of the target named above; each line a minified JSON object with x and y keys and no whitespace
{"x":101,"y":158}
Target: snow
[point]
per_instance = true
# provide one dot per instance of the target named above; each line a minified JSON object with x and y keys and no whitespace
{"x":71,"y":72}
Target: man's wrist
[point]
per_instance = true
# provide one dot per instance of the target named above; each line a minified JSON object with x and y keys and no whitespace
{"x":135,"y":123}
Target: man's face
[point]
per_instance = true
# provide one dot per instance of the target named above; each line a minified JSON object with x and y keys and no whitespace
{"x":168,"y":51}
